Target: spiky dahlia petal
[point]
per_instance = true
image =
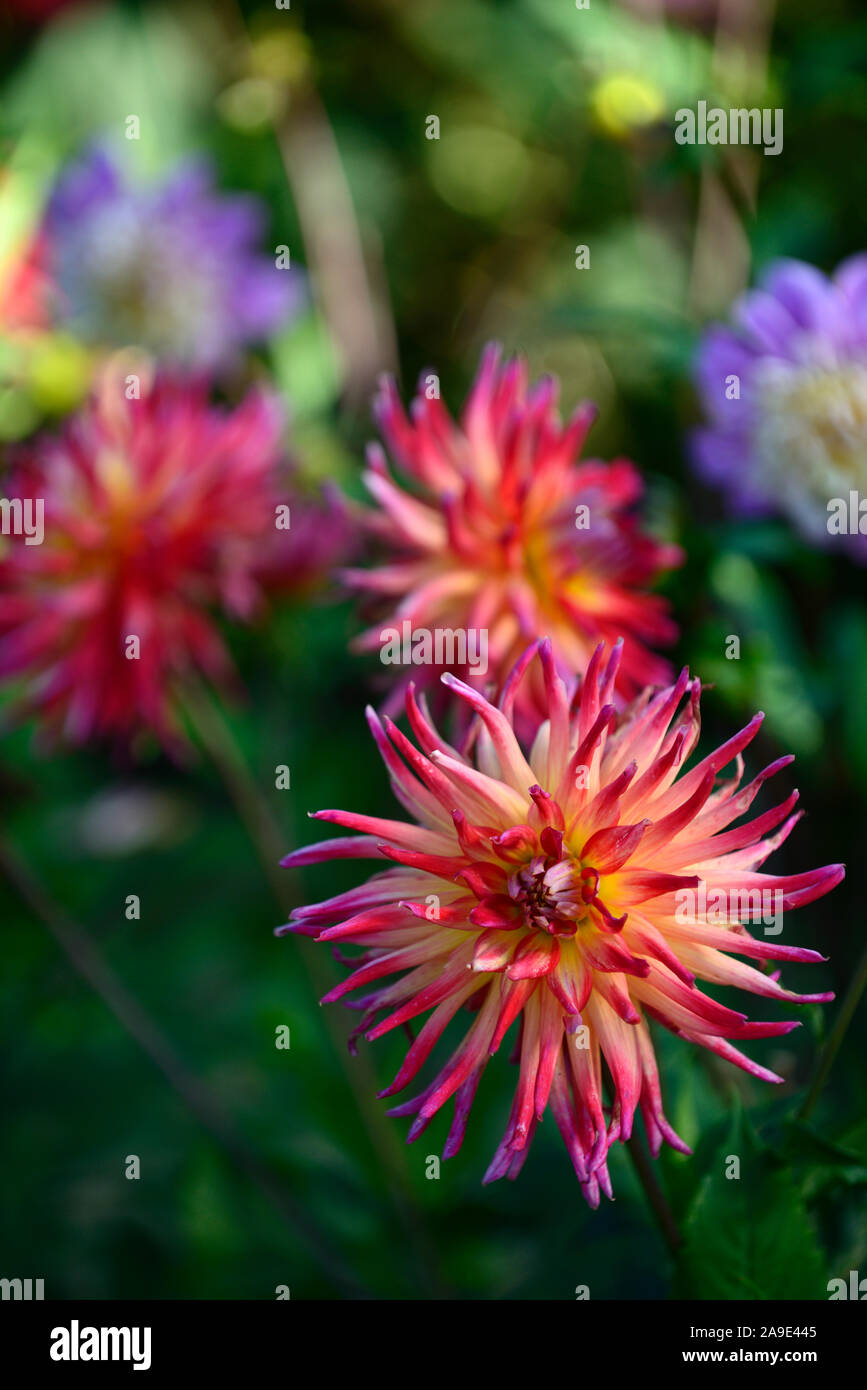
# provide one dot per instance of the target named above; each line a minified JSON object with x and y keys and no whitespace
{"x":496,"y":526}
{"x":579,"y":914}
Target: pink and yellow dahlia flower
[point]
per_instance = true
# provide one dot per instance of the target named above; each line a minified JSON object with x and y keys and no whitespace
{"x":156,"y":512}
{"x":502,"y":530}
{"x":581,"y":887}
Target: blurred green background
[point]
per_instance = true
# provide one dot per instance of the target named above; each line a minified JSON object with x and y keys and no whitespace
{"x":555,"y":131}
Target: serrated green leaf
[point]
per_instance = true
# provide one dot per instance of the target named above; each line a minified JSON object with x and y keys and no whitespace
{"x":749,"y":1236}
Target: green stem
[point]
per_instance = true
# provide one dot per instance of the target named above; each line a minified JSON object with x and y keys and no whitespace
{"x":217,"y":740}
{"x":646,"y":1174}
{"x":90,"y":964}
{"x":647,"y":1177}
{"x":835,"y":1038}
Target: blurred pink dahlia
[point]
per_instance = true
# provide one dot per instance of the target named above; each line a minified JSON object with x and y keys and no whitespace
{"x":154,"y":512}
{"x":580,"y":888}
{"x":503,"y":531}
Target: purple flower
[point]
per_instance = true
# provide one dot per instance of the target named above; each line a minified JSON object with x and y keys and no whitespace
{"x":172,"y":267}
{"x":785,"y":393}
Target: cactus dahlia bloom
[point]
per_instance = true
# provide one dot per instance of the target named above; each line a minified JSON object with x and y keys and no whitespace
{"x":155,"y":511}
{"x":505,"y":532}
{"x":581,"y":888}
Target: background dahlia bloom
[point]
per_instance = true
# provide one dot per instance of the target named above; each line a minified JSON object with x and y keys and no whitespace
{"x":797,"y":435}
{"x":155,"y":511}
{"x":484,"y":537}
{"x":546,"y":886}
{"x":174,"y":267}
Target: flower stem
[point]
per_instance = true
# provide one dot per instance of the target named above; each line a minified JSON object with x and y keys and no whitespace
{"x":643,"y":1165}
{"x":835,"y":1038}
{"x":347,"y":277}
{"x":217,"y":740}
{"x":647,"y":1177}
{"x":90,"y":964}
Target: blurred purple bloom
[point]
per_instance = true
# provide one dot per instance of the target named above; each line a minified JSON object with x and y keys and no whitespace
{"x":785,"y":393}
{"x":173,"y":267}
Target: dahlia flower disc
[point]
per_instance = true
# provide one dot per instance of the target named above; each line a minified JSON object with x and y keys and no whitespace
{"x":580,"y":888}
{"x":156,"y":511}
{"x":501,"y":530}
{"x":785,"y":393}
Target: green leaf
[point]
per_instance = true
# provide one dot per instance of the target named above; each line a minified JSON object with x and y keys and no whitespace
{"x":749,"y":1236}
{"x":825,"y":1162}
{"x":102,"y":65}
{"x":855,"y":1140}
{"x":305,"y":366}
